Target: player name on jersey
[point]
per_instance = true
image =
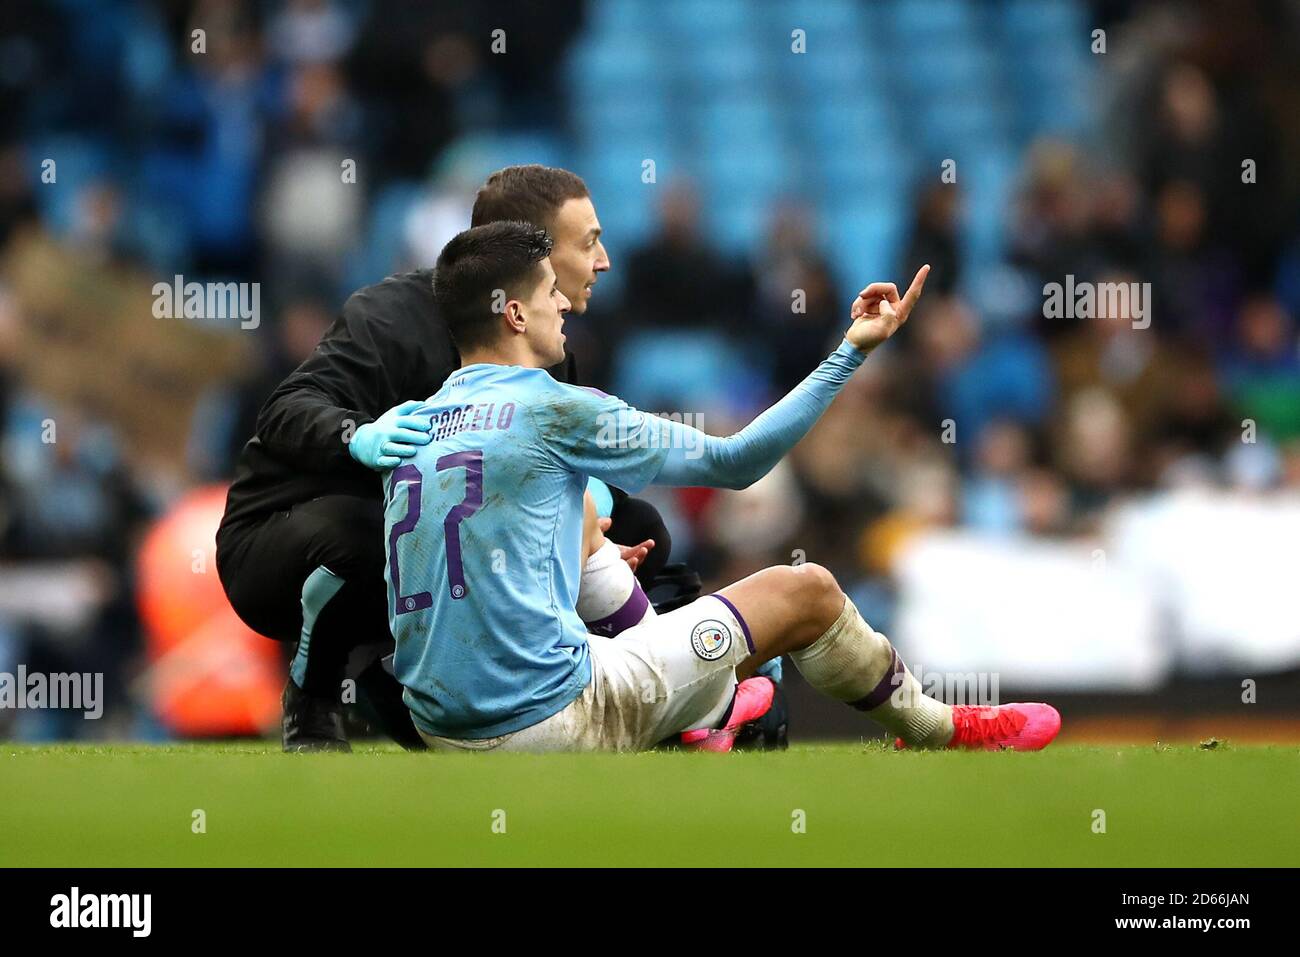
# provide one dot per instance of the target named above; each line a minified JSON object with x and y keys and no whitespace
{"x":473,"y":417}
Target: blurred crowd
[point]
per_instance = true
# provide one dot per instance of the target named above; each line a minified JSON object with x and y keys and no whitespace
{"x":985,"y":412}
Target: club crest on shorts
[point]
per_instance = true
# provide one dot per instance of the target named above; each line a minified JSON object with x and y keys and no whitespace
{"x":711,"y":640}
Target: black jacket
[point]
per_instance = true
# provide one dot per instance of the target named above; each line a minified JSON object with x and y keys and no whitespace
{"x":388,"y":345}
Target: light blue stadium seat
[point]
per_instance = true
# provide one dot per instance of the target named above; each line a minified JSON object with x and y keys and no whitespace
{"x":1052,"y":89}
{"x":615,"y":18}
{"x":739,"y":226}
{"x":859,"y":116}
{"x":733,"y":121}
{"x":380,"y":249}
{"x":733,"y":67}
{"x":640,"y":117}
{"x":613,"y":172}
{"x":703,"y":23}
{"x":865,"y":240}
{"x":599,"y":63}
{"x":712,"y":85}
{"x":670,"y":370}
{"x":829,"y":75}
{"x":833,"y":60}
{"x":852,"y":175}
{"x":621,"y":163}
{"x":987,"y":179}
{"x":820,"y":18}
{"x":629,"y":217}
{"x":1034,"y":19}
{"x":961,"y":126}
{"x":935,"y":73}
{"x":1053,"y":66}
{"x":509,"y":149}
{"x":758,"y":170}
{"x":915,"y":19}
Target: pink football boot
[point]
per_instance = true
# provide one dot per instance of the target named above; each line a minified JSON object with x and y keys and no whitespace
{"x":753,"y":698}
{"x":1007,"y":727}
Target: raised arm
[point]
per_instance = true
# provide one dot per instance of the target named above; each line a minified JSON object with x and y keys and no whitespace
{"x":739,"y":460}
{"x":604,"y":437}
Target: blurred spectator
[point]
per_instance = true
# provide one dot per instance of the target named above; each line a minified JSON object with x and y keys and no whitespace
{"x":935,"y":236}
{"x":991,"y":494}
{"x":1197,"y":279}
{"x":312,"y":210}
{"x":1113,"y":352}
{"x":1050,"y":235}
{"x":798,"y":309}
{"x":210,"y":137}
{"x":1044,"y":503}
{"x":310,"y":31}
{"x":678,"y":278}
{"x":972,"y":381}
{"x":1262,"y":371}
{"x":1095,"y":451}
{"x":1184,"y":141}
{"x":687,"y":346}
{"x":17,"y":205}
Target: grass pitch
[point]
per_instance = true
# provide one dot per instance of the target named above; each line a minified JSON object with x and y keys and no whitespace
{"x":860,"y":805}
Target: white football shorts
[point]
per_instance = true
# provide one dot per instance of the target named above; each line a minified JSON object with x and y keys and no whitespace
{"x":672,"y":673}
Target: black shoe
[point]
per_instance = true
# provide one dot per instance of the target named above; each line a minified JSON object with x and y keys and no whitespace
{"x":311,"y":723}
{"x":770,"y":732}
{"x":379,"y":701}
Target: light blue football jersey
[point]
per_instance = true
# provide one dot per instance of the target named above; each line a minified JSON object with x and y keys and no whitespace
{"x":484,"y":537}
{"x":484,"y":529}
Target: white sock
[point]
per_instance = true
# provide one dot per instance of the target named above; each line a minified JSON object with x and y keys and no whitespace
{"x":854,"y":664}
{"x":610,"y":599}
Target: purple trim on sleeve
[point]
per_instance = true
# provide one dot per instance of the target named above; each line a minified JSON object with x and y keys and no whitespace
{"x":630,"y":614}
{"x":594,"y":391}
{"x":749,"y":639}
{"x":880,"y":694}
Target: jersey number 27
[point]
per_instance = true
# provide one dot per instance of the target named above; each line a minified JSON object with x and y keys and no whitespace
{"x":472,"y":462}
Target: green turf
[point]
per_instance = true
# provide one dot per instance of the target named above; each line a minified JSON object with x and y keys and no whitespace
{"x":863,"y":805}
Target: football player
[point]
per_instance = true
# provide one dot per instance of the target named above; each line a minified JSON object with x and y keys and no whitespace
{"x":485,"y":526}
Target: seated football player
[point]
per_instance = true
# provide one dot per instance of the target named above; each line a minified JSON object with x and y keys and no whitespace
{"x":485,"y":533}
{"x":300,"y":548}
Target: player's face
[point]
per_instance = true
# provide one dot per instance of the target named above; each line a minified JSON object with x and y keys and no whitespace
{"x":579,"y":256}
{"x":544,"y":312}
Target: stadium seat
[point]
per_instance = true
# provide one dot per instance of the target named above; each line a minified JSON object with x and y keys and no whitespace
{"x":381,"y":248}
{"x":864,"y":238}
{"x":611,"y":64}
{"x":930,"y":20}
{"x":821,"y":19}
{"x":712,"y":23}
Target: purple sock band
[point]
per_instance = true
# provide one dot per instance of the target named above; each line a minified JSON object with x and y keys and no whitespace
{"x":744,"y":625}
{"x":881,"y":692}
{"x":631,"y":613}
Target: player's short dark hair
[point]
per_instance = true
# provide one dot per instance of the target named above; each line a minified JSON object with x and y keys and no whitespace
{"x":528,"y":194}
{"x":475,"y":265}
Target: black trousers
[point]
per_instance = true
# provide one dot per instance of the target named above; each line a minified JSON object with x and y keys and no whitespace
{"x":314,"y":574}
{"x":321,"y":564}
